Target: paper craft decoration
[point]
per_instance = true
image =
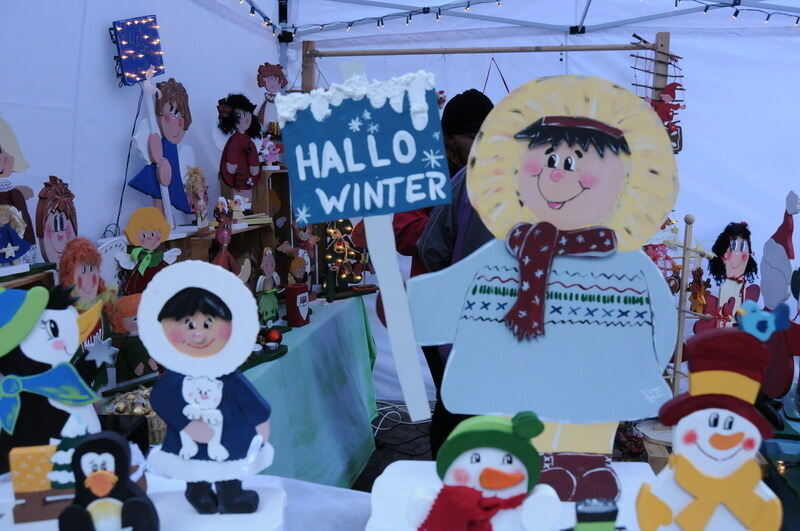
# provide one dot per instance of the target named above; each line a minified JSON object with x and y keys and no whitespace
{"x":197,"y":194}
{"x":105,"y":496}
{"x":571,"y":187}
{"x":267,"y":288}
{"x":270,"y":152}
{"x":698,"y":288}
{"x":146,"y":230}
{"x":138,"y":48}
{"x":665,"y":107}
{"x":712,"y":480}
{"x":200,"y":322}
{"x":13,"y":161}
{"x":297,"y":310}
{"x":350,"y":154}
{"x":12,"y":228}
{"x":109,"y":266}
{"x":732,"y":268}
{"x":489,"y":473}
{"x":56,"y":218}
{"x":167,"y":109}
{"x":239,"y":167}
{"x":223,"y":233}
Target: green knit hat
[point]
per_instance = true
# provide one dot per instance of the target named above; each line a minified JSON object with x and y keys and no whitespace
{"x":19,"y":312}
{"x":511,"y":434}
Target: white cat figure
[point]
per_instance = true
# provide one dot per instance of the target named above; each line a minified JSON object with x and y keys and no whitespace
{"x":202,"y":396}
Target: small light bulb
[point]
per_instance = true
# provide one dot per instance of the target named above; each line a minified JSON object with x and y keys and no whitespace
{"x":736,"y":13}
{"x":349,"y":26}
{"x":466,"y":7}
{"x":766,"y":20}
{"x":252,"y":11}
{"x":705,"y":10}
{"x":499,"y":4}
{"x":321,"y":27}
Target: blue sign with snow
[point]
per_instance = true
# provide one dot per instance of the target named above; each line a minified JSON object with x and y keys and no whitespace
{"x":363,"y":149}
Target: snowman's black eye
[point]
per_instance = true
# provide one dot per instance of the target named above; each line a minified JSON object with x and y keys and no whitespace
{"x":103,"y":466}
{"x":475,"y":458}
{"x":728,"y":424}
{"x":52,"y":327}
{"x":94,"y":467}
{"x":508,"y":460}
{"x":713,"y":420}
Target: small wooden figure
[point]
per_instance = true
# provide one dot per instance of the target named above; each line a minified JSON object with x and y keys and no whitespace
{"x":105,"y":496}
{"x":146,"y":230}
{"x":56,"y":218}
{"x":197,"y":193}
{"x":239,"y":167}
{"x":223,"y":233}
{"x":217,"y":423}
{"x":267,"y":288}
{"x":713,"y":480}
{"x":490,"y":474}
{"x":13,"y":161}
{"x":272,"y":79}
{"x":698,"y":288}
{"x":133,"y":359}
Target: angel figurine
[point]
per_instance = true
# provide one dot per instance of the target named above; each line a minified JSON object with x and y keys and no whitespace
{"x":146,"y":230}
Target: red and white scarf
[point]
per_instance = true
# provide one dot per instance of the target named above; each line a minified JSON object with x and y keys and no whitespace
{"x":535,"y":246}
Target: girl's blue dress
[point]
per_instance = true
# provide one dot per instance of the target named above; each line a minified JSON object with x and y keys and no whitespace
{"x":146,"y":181}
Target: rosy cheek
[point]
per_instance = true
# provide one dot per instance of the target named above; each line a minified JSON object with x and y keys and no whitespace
{"x":588,"y":180}
{"x":225,"y":331}
{"x":531,"y":167}
{"x":80,"y":282}
{"x":48,"y":230}
{"x":690,"y":437}
{"x":176,"y":336}
{"x":749,"y":443}
{"x":461,"y":476}
{"x":58,"y":344}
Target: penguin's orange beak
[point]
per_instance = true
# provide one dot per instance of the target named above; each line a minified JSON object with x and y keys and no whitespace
{"x":725,"y":442}
{"x":494,"y":479}
{"x":101,"y":482}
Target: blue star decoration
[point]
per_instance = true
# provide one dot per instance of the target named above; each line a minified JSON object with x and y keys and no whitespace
{"x":101,"y":352}
{"x":301,"y":216}
{"x":138,"y":47}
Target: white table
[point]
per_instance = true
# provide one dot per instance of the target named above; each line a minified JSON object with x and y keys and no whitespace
{"x":394,"y":487}
{"x":307,"y":506}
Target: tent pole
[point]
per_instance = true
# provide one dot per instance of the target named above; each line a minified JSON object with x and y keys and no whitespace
{"x":661,"y":65}
{"x":313,"y":52}
{"x":308,"y":76}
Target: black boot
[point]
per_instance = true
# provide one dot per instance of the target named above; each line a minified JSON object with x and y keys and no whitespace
{"x":232,"y":499}
{"x":201,"y":497}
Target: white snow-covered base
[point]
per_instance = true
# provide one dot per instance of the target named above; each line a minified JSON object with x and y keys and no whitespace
{"x":394,"y":490}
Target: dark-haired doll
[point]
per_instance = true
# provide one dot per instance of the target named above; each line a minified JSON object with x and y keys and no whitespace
{"x":213,"y":413}
{"x":239,"y":166}
{"x":732,"y":268}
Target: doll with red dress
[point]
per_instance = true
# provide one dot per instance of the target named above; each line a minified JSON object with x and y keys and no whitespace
{"x":239,"y":166}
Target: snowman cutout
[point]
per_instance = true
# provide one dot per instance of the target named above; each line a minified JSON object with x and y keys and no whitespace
{"x":489,"y":470}
{"x":203,"y":396}
{"x":712,"y":480}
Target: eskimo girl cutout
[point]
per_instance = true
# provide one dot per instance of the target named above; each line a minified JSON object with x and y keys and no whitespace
{"x":213,"y":414}
{"x":562,"y":313}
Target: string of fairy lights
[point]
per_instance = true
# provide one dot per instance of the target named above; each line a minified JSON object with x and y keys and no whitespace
{"x":737,"y":9}
{"x":380,"y":21}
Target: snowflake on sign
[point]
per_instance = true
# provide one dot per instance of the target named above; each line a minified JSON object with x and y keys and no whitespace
{"x":373,"y":128}
{"x":355,"y":125}
{"x":366,"y":115}
{"x":301,"y":217}
{"x":432,"y":158}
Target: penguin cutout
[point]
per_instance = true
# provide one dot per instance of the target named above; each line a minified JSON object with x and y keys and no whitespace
{"x":105,"y":497}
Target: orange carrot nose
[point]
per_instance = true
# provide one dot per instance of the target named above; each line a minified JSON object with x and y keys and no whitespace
{"x":494,"y":479}
{"x":101,"y":482}
{"x":726,"y":442}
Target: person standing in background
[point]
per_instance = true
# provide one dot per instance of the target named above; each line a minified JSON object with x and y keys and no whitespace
{"x":461,"y":121}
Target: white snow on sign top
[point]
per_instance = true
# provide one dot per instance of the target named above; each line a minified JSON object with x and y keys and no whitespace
{"x":357,"y":87}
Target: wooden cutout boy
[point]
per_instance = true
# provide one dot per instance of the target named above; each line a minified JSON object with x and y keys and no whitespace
{"x":562,"y":313}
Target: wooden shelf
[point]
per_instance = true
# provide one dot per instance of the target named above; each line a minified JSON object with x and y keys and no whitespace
{"x":42,"y":278}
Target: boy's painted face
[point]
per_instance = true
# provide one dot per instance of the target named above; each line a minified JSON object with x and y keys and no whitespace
{"x":736,"y":258}
{"x":569,"y":187}
{"x":87,"y":281}
{"x":150,"y":239}
{"x":198,"y":335}
{"x":243,"y":120}
{"x":171,"y":123}
{"x":6,"y":163}
{"x":58,"y":231}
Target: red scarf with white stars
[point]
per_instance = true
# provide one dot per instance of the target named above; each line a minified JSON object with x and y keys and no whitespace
{"x":535,"y":246}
